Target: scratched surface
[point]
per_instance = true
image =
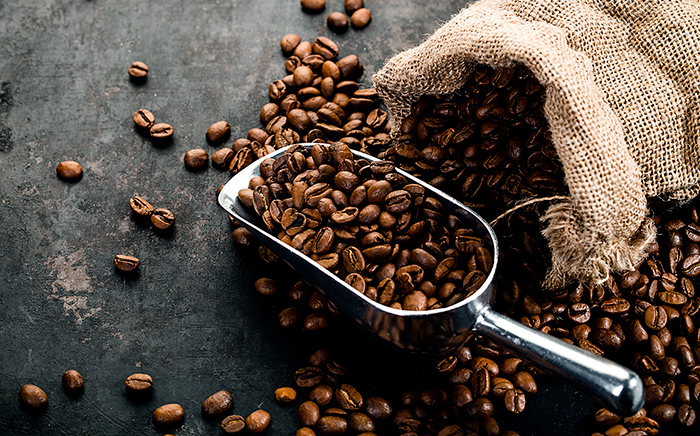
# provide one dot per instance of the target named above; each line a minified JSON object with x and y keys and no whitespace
{"x":190,"y":318}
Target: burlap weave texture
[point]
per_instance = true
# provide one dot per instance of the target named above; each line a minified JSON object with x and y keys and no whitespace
{"x":622,"y":83}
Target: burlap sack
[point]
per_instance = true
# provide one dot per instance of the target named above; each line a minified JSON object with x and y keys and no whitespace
{"x":622,"y":85}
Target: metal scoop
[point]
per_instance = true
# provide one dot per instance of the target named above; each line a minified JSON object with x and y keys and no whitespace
{"x":440,"y":330}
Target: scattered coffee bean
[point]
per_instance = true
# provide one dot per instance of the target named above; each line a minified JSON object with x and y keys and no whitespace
{"x":141,"y":207}
{"x":126,"y":263}
{"x":162,"y":219}
{"x":69,"y":170}
{"x":285,"y":395}
{"x":72,"y":383}
{"x":289,"y":42}
{"x":257,"y":421}
{"x":196,"y":159}
{"x":217,"y":404}
{"x":161,"y":131}
{"x":218,"y":133}
{"x":361,"y":18}
{"x":144,"y":119}
{"x":33,"y":399}
{"x":313,"y":5}
{"x":233,"y":424}
{"x":168,"y":415}
{"x":138,"y":70}
{"x":139,"y":383}
{"x":337,"y":22}
{"x":353,"y":5}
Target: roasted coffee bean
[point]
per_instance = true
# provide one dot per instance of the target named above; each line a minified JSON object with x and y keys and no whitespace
{"x":289,"y":42}
{"x":141,"y":207}
{"x":313,"y":5}
{"x":686,"y":415}
{"x":514,"y":401}
{"x":361,"y":18}
{"x":139,"y":383}
{"x":481,"y":408}
{"x":353,"y":5}
{"x":308,"y":377}
{"x":325,"y":47}
{"x":72,"y":383}
{"x":222,"y":158}
{"x":138,"y":70}
{"x":337,"y":22}
{"x":217,"y":404}
{"x":126,"y":263}
{"x":348,"y":397}
{"x":242,"y":236}
{"x":161,"y":131}
{"x":360,"y":423}
{"x":218,"y":133}
{"x":257,"y":421}
{"x":143,"y":118}
{"x":69,"y":170}
{"x":285,"y":395}
{"x":33,"y":399}
{"x":168,"y":415}
{"x":196,"y":159}
{"x":308,"y":413}
{"x":162,"y":219}
{"x":233,"y":424}
{"x":332,"y":425}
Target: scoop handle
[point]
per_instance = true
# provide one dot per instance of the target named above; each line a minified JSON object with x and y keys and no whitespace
{"x":612,"y":385}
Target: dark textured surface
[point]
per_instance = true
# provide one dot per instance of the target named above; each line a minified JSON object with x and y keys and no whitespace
{"x":190,"y":318}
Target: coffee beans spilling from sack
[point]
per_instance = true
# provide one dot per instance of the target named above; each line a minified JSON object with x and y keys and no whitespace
{"x":386,"y":237}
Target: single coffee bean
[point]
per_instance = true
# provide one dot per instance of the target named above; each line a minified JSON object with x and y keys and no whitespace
{"x":196,"y":159}
{"x":126,"y":263}
{"x":308,"y":376}
{"x":360,"y":423}
{"x":138,"y":70}
{"x":348,"y":397}
{"x":139,"y":383}
{"x":289,"y":42}
{"x":72,"y":383}
{"x":242,"y":236}
{"x":257,"y":421}
{"x":69,"y":170}
{"x":143,"y":118}
{"x":308,"y":413}
{"x":218,"y":133}
{"x":285,"y":395}
{"x":481,"y":408}
{"x":337,"y":22}
{"x":141,"y":207}
{"x":353,"y":5}
{"x":222,"y":158}
{"x":606,"y":417}
{"x":233,"y":424}
{"x":162,"y":218}
{"x":313,"y":5}
{"x":33,"y":399}
{"x":686,"y":415}
{"x":161,"y":131}
{"x":523,"y":380}
{"x":361,"y":18}
{"x":217,"y":404}
{"x":325,"y":47}
{"x":266,"y":286}
{"x":332,"y":425}
{"x":168,"y":415}
{"x":514,"y":401}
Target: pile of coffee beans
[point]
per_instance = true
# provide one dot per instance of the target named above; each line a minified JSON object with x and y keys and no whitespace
{"x":387,"y":238}
{"x":337,"y":21}
{"x":145,"y":121}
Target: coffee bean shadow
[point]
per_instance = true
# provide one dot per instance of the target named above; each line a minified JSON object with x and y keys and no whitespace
{"x":313,"y":11}
{"x":73,"y":180}
{"x":161,"y":142}
{"x":142,"y":132}
{"x":138,"y":81}
{"x":33,"y":411}
{"x":140,"y":397}
{"x":74,"y":396}
{"x":165,"y":233}
{"x":141,"y":221}
{"x":129,"y":276}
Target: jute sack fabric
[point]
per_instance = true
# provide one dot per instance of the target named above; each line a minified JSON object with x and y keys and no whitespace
{"x":622,"y":83}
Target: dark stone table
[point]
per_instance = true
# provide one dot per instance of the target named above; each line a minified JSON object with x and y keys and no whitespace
{"x":190,"y":318}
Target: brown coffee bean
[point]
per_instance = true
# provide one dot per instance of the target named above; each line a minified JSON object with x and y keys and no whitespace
{"x":126,"y":263}
{"x":305,"y":431}
{"x":72,"y":383}
{"x":257,"y":421}
{"x":480,"y":408}
{"x":308,"y":413}
{"x":196,"y":159}
{"x":161,"y":131}
{"x":222,"y":158}
{"x":686,"y":415}
{"x":360,"y":423}
{"x":663,"y":413}
{"x":525,"y":382}
{"x":168,"y":415}
{"x":138,"y":70}
{"x":33,"y":399}
{"x":353,"y":5}
{"x":242,"y":236}
{"x":514,"y":401}
{"x":139,"y":383}
{"x":313,"y":5}
{"x":332,"y":425}
{"x":655,"y":317}
{"x":266,"y":286}
{"x":337,"y":22}
{"x":143,"y":118}
{"x":348,"y":397}
{"x":289,"y":42}
{"x":69,"y":170}
{"x":308,"y":376}
{"x":233,"y":424}
{"x":217,"y":404}
{"x":325,"y":47}
{"x":285,"y":395}
{"x":141,"y":207}
{"x":606,"y":417}
{"x":691,"y":265}
{"x":162,"y":219}
{"x":361,"y":18}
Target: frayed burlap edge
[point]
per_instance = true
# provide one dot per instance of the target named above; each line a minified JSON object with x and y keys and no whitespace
{"x":594,"y":262}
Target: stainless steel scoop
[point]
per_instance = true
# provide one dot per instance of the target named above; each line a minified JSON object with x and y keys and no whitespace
{"x":440,"y":330}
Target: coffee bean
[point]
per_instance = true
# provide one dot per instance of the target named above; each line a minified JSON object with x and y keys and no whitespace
{"x":196,"y":159}
{"x":72,"y":383}
{"x":514,"y":401}
{"x":332,"y":425}
{"x":525,"y":382}
{"x":141,"y":207}
{"x":69,"y":170}
{"x":242,"y":236}
{"x":139,"y":383}
{"x":686,"y":415}
{"x":126,"y":263}
{"x":325,"y":47}
{"x":313,"y":5}
{"x":233,"y":424}
{"x":308,"y":413}
{"x":361,"y":18}
{"x":168,"y":415}
{"x":143,"y":118}
{"x":481,"y":408}
{"x":285,"y":395}
{"x":308,"y":376}
{"x":138,"y":70}
{"x":353,"y":5}
{"x":289,"y":42}
{"x":222,"y":158}
{"x":162,"y":219}
{"x":161,"y":131}
{"x":218,"y":133}
{"x":217,"y":404}
{"x":257,"y":421}
{"x":348,"y":397}
{"x":33,"y":399}
{"x":266,"y":286}
{"x":337,"y":22}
